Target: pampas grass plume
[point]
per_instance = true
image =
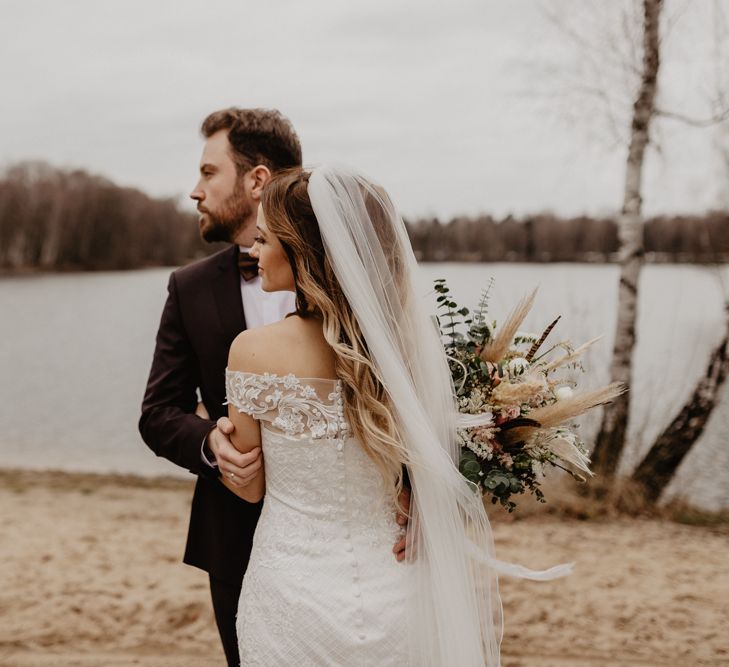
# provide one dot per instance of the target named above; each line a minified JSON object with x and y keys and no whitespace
{"x":571,"y":356}
{"x":495,"y":350}
{"x":577,"y":404}
{"x":557,"y":413}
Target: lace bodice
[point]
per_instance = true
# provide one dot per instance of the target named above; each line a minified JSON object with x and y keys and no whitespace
{"x":322,"y":586}
{"x":290,"y":405}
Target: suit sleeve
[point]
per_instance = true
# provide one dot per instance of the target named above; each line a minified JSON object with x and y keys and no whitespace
{"x":168,"y":424}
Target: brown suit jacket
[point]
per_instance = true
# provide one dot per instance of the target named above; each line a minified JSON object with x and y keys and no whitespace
{"x":202,"y":316}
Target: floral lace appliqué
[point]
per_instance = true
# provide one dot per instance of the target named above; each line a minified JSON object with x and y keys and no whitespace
{"x":289,"y":404}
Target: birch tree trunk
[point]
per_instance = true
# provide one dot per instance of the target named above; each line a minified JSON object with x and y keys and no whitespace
{"x":658,"y":467}
{"x":611,"y":439}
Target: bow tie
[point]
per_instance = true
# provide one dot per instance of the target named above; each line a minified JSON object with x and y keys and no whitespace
{"x":247,"y":265}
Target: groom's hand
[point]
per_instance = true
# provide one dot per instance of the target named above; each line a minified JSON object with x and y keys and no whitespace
{"x":402,"y":519}
{"x":238,"y":468}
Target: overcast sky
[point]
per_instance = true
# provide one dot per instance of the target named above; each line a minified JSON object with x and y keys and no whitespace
{"x":430,"y":98}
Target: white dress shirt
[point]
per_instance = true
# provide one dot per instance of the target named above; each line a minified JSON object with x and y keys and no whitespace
{"x":261,"y":308}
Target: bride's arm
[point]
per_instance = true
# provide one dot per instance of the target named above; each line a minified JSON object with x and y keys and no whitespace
{"x":247,"y":433}
{"x":247,"y":436}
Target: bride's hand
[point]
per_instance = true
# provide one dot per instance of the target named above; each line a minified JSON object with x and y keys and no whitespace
{"x":399,"y":549}
{"x":237,"y":468}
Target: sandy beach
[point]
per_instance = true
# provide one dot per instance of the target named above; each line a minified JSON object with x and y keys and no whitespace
{"x":92,"y":576}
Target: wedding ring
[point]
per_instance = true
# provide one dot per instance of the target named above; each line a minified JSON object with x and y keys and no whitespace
{"x":231,"y":475}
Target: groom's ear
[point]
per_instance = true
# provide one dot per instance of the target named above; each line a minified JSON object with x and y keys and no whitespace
{"x":259,"y":176}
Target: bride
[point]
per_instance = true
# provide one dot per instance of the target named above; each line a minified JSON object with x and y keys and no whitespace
{"x":343,"y":396}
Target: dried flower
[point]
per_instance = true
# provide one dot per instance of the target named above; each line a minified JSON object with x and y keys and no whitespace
{"x":563,"y":392}
{"x":512,"y":406}
{"x":510,"y":393}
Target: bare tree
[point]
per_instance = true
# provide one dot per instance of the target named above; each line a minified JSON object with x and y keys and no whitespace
{"x":55,"y":191}
{"x":659,"y":465}
{"x":625,"y":59}
{"x":611,"y":439}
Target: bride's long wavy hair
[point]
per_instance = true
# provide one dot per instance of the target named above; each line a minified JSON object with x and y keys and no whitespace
{"x":290,"y":216}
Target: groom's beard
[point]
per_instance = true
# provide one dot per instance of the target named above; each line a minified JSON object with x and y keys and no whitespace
{"x":225,"y":223}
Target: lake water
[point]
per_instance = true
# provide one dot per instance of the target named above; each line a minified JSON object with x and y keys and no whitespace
{"x":76,"y":350}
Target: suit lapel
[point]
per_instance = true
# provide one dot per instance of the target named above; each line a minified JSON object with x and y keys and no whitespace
{"x":226,"y":291}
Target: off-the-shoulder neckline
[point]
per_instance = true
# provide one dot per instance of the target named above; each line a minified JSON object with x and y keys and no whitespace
{"x":277,"y":376}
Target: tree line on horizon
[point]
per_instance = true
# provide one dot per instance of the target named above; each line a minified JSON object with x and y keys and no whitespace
{"x":547,"y":237}
{"x":68,"y":219}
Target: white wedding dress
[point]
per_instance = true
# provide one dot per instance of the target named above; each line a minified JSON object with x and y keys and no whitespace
{"x":322,"y":586}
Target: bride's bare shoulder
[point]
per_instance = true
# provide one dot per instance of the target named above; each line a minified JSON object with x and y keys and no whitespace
{"x":253,"y":349}
{"x":276,"y":347}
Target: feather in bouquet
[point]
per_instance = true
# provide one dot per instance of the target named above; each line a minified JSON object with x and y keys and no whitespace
{"x":515,"y":409}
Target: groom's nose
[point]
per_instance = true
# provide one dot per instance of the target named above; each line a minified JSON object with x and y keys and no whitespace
{"x":197,"y":194}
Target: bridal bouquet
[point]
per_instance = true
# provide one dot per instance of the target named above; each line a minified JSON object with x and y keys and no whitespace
{"x":515,"y":410}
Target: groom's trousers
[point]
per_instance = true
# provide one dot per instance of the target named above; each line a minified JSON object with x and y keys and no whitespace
{"x":225,"y":604}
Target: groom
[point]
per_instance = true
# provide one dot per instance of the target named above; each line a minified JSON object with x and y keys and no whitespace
{"x":208,"y":304}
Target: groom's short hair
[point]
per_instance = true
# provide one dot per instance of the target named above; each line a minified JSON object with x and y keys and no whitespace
{"x":256,"y":136}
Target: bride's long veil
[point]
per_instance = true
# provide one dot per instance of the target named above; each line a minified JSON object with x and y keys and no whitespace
{"x":455,"y":609}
